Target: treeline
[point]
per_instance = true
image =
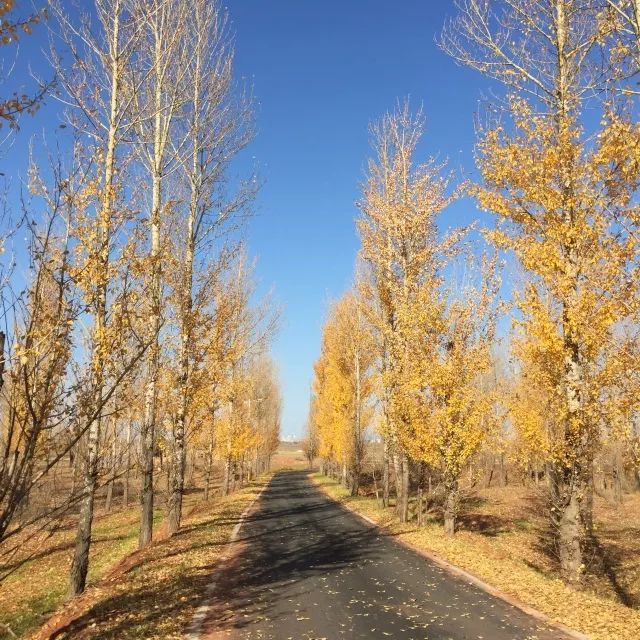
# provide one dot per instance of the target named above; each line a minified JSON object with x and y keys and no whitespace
{"x":413,"y":351}
{"x":133,"y":334}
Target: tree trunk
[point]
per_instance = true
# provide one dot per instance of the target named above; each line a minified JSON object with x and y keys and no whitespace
{"x":618,"y":472}
{"x":147,"y":440}
{"x":404,"y":516}
{"x":76,"y":468}
{"x":178,"y":459}
{"x":586,"y":504}
{"x":571,"y":481}
{"x":570,"y":535}
{"x":176,"y":484}
{"x":207,"y":479}
{"x":114,"y":472}
{"x":80,"y":562}
{"x":375,"y":486}
{"x":397,"y":477}
{"x":355,"y":482}
{"x":147,"y":435}
{"x":489,"y":479}
{"x":385,"y":475}
{"x":226,"y":484}
{"x":567,"y":515}
{"x":401,"y":463}
{"x":450,"y":505}
{"x":127,"y":471}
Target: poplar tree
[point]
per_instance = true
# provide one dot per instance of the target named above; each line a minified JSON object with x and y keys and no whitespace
{"x":159,"y":75}
{"x":563,"y":196}
{"x":95,"y":89}
{"x":217,"y":127}
{"x":343,"y":386}
{"x":400,"y":204}
{"x":450,"y":409}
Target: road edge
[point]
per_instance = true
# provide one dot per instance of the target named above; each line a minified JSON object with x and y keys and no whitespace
{"x":194,"y":631}
{"x":459,"y":572}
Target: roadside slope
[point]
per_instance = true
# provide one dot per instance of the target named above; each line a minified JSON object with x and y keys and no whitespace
{"x":156,"y":592}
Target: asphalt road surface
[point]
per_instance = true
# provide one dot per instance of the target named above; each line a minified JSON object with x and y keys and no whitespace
{"x":308,"y":569}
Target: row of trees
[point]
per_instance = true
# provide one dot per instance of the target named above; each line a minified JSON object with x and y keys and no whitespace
{"x":136,"y":326}
{"x":559,"y":162}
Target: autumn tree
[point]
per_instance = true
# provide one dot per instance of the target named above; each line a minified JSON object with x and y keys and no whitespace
{"x":95,"y":89}
{"x":343,"y":387}
{"x":217,"y":128}
{"x":562,"y":192}
{"x":159,"y":75}
{"x":265,"y":412}
{"x":400,"y":203}
{"x":239,"y":332}
{"x":310,"y":442}
{"x":39,"y":353}
{"x":450,"y":406}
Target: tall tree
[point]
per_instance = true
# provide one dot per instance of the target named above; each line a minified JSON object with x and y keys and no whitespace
{"x":449,"y":404}
{"x":162,"y":65}
{"x":400,"y":204}
{"x":563,"y":197}
{"x":39,"y":351}
{"x":94,"y":85}
{"x":218,"y":128}
{"x":343,"y":388}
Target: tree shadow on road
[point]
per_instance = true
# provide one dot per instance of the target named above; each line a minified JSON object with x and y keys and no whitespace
{"x":281,"y":548}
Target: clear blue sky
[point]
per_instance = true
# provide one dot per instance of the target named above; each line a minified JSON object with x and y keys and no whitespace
{"x":321,"y":71}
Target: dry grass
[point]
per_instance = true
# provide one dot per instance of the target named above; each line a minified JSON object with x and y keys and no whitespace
{"x":500,"y":543}
{"x":289,"y":456}
{"x":149,"y":594}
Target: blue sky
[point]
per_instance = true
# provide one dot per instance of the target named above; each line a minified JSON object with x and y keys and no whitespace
{"x":320,"y":71}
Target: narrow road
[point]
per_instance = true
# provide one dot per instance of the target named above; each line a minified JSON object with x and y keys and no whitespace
{"x":310,"y":570}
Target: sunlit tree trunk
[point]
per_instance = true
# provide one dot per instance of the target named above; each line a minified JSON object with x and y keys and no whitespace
{"x":385,"y":474}
{"x":450,"y":505}
{"x":80,"y":561}
{"x":127,"y":470}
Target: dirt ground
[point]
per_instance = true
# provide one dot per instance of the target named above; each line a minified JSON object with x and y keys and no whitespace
{"x":289,"y":456}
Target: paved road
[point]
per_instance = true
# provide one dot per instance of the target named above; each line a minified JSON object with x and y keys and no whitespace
{"x":310,"y":570}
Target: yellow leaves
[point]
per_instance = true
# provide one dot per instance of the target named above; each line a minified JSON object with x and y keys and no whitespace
{"x":566,"y":213}
{"x":343,"y":380}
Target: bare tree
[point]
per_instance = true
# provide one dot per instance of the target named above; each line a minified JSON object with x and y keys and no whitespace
{"x":95,"y":89}
{"x":159,"y":77}
{"x":217,"y":129}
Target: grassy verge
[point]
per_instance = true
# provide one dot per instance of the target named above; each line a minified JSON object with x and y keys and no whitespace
{"x":497,"y":559}
{"x":38,"y":585}
{"x":148,"y":594}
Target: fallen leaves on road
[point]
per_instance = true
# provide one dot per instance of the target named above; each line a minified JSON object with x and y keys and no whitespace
{"x":495,"y":560}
